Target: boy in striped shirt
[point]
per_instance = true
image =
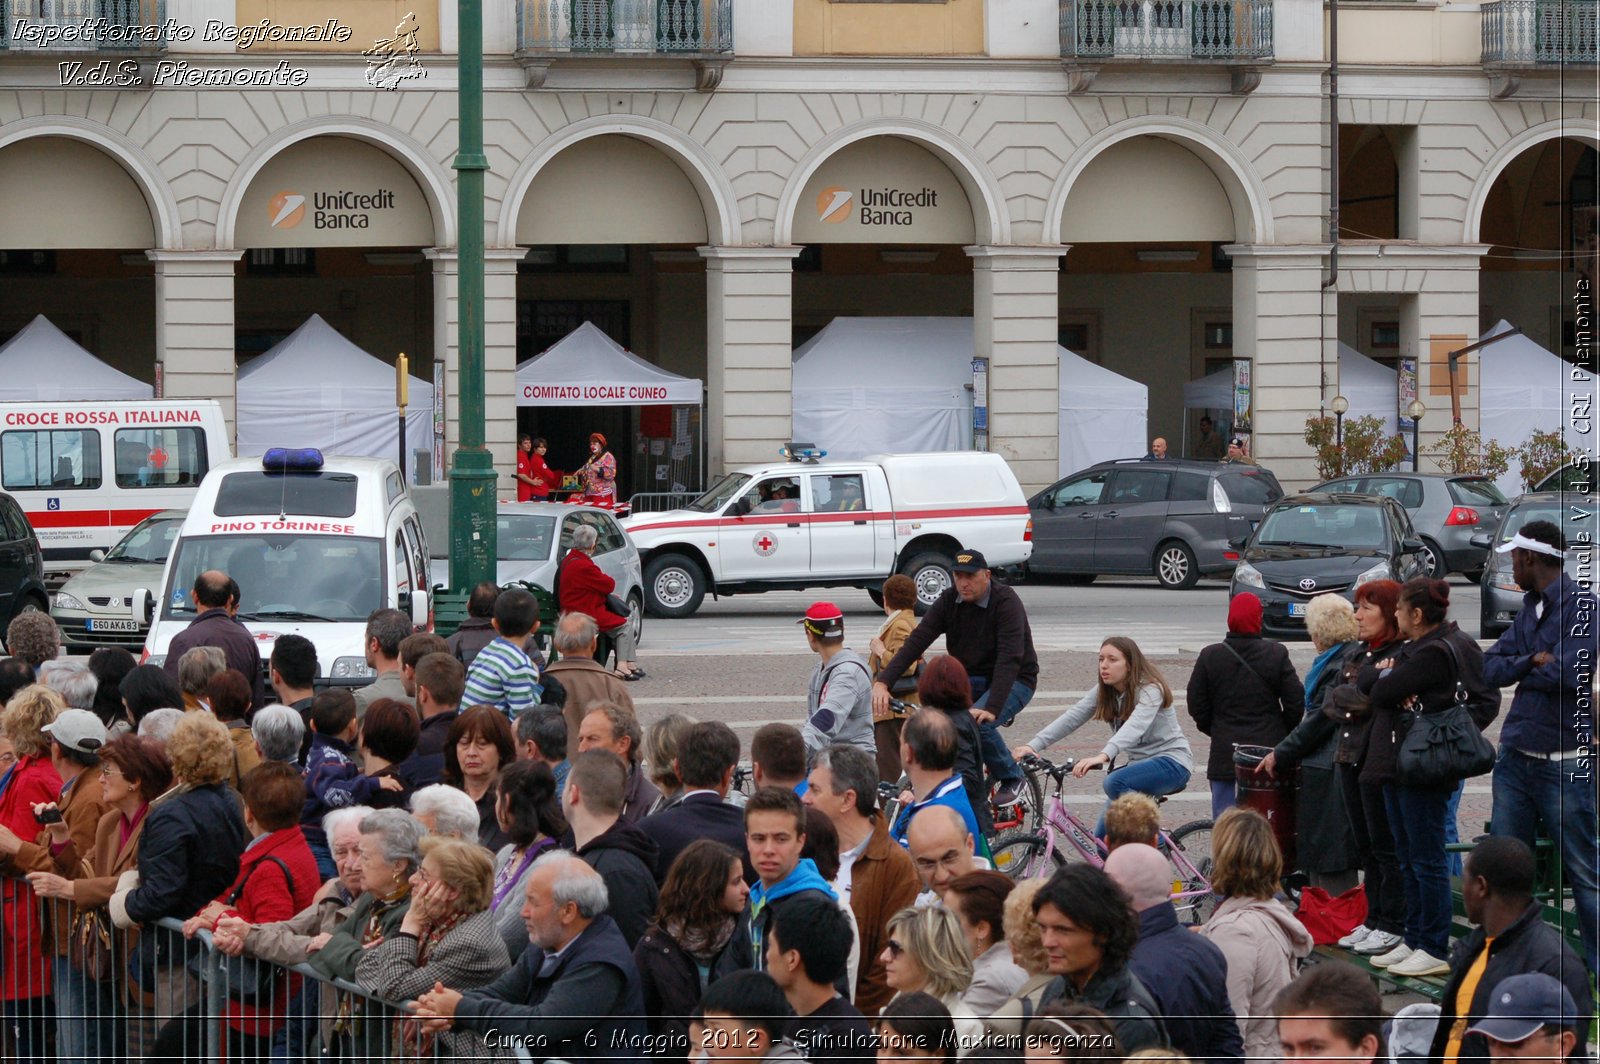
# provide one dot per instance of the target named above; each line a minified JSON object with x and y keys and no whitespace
{"x":502,"y":675}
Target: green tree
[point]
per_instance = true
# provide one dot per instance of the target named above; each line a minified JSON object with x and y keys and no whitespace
{"x":1543,"y":454}
{"x":1462,"y":450}
{"x":1367,"y":449}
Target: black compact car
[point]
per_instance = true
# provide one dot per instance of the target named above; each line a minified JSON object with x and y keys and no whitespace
{"x":21,"y":563}
{"x":1167,"y":518}
{"x":1312,"y":544}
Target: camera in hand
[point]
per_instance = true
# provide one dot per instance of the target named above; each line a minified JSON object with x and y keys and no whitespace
{"x":49,"y":816}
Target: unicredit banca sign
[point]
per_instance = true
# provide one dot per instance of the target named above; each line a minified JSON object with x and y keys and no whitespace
{"x":339,"y":209}
{"x":885,"y":189}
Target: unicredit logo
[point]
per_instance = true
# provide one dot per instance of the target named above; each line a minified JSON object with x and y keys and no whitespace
{"x":833,"y":205}
{"x":287,"y":210}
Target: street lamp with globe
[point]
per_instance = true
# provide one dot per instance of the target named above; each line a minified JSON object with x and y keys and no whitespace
{"x":1414,"y":411}
{"x":1340,"y":406}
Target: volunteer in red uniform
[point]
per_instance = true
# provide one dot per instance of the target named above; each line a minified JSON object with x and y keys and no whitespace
{"x":534,"y":478}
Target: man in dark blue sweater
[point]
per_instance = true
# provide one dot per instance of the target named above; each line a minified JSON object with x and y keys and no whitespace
{"x":1185,"y":972}
{"x":1546,"y":772}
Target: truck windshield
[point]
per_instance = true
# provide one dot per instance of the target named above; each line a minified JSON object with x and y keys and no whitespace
{"x":284,"y":577}
{"x":723,"y":490}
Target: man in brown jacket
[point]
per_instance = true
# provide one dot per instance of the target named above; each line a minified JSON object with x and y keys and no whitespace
{"x":876,"y":875}
{"x":586,"y":681}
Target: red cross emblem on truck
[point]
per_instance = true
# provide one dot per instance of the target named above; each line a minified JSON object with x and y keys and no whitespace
{"x":765,"y":545}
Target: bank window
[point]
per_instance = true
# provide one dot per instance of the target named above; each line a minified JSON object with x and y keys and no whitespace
{"x":1386,"y":335}
{"x":51,"y":460}
{"x":160,"y":458}
{"x":36,"y":262}
{"x":1219,"y":335}
{"x":280,"y":261}
{"x":837,"y":494}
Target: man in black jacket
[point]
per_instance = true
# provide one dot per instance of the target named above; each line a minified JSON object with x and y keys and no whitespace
{"x":575,"y":995}
{"x":1243,"y":690}
{"x":1088,"y":929}
{"x":986,"y":629}
{"x":214,"y":626}
{"x":1497,"y":892}
{"x":705,"y":764}
{"x":1185,"y":973}
{"x":624,"y":856}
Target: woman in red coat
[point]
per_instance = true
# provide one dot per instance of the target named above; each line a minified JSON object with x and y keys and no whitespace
{"x":25,"y":984}
{"x":583,"y":589}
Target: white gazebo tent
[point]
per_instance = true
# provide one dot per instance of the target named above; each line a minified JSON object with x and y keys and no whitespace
{"x":1371,"y":387}
{"x":1525,"y":387}
{"x":588,"y":368}
{"x":903,"y":385}
{"x":314,"y":388}
{"x":41,"y":363}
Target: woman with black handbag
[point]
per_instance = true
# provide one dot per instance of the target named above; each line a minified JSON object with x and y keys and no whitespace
{"x":1438,"y":671}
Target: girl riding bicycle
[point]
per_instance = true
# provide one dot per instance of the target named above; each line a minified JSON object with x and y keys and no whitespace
{"x":1134,"y":698}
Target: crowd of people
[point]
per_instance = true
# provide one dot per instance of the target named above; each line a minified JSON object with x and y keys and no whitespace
{"x":478,"y":857}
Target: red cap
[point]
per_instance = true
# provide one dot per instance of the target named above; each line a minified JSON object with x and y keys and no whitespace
{"x":823,"y":618}
{"x":1244,"y":614}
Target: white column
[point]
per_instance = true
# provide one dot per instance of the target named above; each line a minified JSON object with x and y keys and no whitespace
{"x":1277,"y":324}
{"x":499,"y":351}
{"x":749,"y":349}
{"x":1015,"y":322}
{"x":195,"y":325}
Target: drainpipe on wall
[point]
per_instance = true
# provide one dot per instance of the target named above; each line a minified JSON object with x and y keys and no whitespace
{"x":1331,"y":280}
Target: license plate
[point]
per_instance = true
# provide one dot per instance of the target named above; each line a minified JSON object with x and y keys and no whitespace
{"x":1297,"y":609}
{"x":112,"y":626}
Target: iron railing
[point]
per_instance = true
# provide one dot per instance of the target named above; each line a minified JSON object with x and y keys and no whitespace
{"x":83,"y":25}
{"x":1539,"y":32}
{"x":1206,"y":30}
{"x":654,"y":502}
{"x":625,"y":27}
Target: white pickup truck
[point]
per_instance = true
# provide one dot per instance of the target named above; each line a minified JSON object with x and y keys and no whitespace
{"x":809,"y":523}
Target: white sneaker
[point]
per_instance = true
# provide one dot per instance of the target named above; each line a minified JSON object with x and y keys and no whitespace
{"x":1377,"y":943}
{"x":1348,"y":941}
{"x":1394,"y":956}
{"x":1418,"y":964}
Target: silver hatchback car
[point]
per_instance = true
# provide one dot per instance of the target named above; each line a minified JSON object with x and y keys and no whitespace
{"x":1574,"y":513}
{"x":1447,"y":511}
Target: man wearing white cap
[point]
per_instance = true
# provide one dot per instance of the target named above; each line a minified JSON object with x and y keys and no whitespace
{"x":67,"y":836}
{"x":839,"y":701}
{"x":1545,"y":772}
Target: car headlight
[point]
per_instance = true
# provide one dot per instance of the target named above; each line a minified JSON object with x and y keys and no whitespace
{"x":65,"y":601}
{"x":158,"y":660}
{"x":351,"y":668}
{"x":1249,"y":575}
{"x":1377,"y":572}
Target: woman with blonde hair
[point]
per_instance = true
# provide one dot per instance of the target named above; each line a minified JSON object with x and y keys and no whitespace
{"x":1136,"y":701}
{"x":927,"y":953}
{"x":447,"y":936}
{"x":1325,"y":845}
{"x":662,"y":741}
{"x":1262,"y":940}
{"x":33,"y":780}
{"x":1027,"y":952}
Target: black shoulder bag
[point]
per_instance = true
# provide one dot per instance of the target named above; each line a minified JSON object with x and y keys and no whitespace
{"x":1444,"y":747}
{"x":248,"y":981}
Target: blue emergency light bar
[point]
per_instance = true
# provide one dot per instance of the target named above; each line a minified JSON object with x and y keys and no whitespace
{"x":292,"y":460}
{"x":802,"y":452}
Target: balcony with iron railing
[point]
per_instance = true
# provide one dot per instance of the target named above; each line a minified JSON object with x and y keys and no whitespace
{"x":1209,"y":32}
{"x":137,"y":27}
{"x":1539,"y":33}
{"x":698,"y":30}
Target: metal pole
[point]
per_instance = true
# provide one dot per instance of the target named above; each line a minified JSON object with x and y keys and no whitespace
{"x":472,"y":476}
{"x":402,"y":443}
{"x":1416,"y":427}
{"x":1338,"y":439}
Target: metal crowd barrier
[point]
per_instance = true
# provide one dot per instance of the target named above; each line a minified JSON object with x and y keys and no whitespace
{"x":653,"y":502}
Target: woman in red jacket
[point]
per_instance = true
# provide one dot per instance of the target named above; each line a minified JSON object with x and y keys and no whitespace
{"x":583,"y":588}
{"x":24,"y":968}
{"x":277,"y":878}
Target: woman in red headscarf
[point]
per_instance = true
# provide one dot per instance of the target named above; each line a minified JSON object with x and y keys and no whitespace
{"x":599,"y":474}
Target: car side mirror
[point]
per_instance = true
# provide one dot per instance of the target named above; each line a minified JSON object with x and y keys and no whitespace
{"x":143,"y":605}
{"x":1411,"y":546}
{"x":97,"y":555}
{"x":1481,"y":541}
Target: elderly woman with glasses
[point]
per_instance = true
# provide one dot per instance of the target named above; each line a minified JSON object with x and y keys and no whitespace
{"x":447,"y":936}
{"x":927,"y":953}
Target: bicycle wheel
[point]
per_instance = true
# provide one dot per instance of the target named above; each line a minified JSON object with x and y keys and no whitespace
{"x":1020,"y":855}
{"x":1191,"y":874}
{"x":1026,"y":813}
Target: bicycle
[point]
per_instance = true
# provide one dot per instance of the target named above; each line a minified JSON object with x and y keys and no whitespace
{"x":1026,"y":854}
{"x":1027,"y":809}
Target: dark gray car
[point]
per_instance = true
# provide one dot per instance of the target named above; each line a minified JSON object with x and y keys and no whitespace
{"x":1573,"y":513}
{"x":1168,"y":518}
{"x":1447,"y":511}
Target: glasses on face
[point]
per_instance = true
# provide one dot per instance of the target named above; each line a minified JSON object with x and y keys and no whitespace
{"x":895,"y":948}
{"x":423,"y":875}
{"x":949,"y":860}
{"x":107,"y":772}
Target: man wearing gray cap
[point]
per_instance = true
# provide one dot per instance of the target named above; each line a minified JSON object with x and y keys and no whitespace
{"x":1531,"y":1017}
{"x":67,"y":836}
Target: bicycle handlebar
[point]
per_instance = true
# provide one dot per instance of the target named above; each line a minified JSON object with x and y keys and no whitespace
{"x":1058,"y":772}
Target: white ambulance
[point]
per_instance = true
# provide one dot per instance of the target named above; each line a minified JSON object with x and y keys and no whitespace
{"x":315,"y":544}
{"x":87,"y":472}
{"x":810,"y":523}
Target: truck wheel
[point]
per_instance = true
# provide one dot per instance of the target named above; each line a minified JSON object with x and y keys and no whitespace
{"x":930,"y":572}
{"x":674,"y":586}
{"x":1176,"y":567}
